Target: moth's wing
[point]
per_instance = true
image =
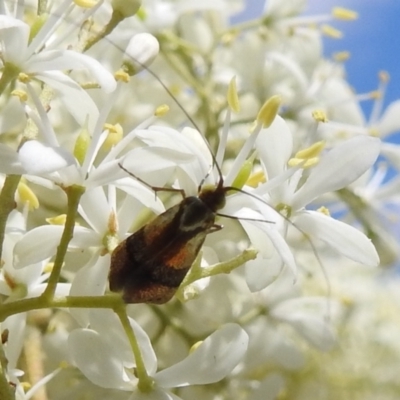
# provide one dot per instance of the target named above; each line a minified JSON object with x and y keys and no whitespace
{"x":133,"y":254}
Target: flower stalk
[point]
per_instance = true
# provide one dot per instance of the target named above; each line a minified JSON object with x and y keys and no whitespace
{"x":74,"y":193}
{"x":7,"y":203}
{"x":146,"y":383}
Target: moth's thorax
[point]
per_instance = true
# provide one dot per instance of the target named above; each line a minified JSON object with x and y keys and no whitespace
{"x":195,"y":214}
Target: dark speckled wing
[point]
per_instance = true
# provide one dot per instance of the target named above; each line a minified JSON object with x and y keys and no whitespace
{"x":149,"y":265}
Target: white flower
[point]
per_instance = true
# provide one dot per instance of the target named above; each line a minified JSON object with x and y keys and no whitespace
{"x":338,"y":168}
{"x":103,"y":354}
{"x":47,"y":66}
{"x":19,"y":283}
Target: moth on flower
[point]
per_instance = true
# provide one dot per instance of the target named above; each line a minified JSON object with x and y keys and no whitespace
{"x":150,"y":265}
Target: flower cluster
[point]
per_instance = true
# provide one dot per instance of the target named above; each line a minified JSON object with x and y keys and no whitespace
{"x":111,"y":112}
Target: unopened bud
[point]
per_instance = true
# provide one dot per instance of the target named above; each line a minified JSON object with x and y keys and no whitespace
{"x":140,"y":52}
{"x":127,"y":8}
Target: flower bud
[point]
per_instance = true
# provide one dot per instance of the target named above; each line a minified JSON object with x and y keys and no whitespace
{"x":140,"y":52}
{"x":127,"y":8}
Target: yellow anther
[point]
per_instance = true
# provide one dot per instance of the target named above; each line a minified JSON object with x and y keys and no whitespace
{"x":115,"y":134}
{"x":312,"y":151}
{"x":195,"y":346}
{"x":26,"y":386}
{"x":374,"y":132}
{"x":26,"y":195}
{"x":81,"y":145}
{"x":161,"y":110}
{"x":384,"y":76}
{"x":331,"y":32}
{"x":311,"y":162}
{"x":324,"y":210}
{"x":229,"y":37}
{"x":319,"y":116}
{"x":269,"y":111}
{"x":25,"y":78}
{"x":375,"y":94}
{"x":344,"y":14}
{"x":232,"y":96}
{"x":48,"y":268}
{"x":37,"y":24}
{"x":142,"y":14}
{"x":85,"y":3}
{"x":58,"y":220}
{"x":256,"y":178}
{"x":244,"y":174}
{"x":347,"y":301}
{"x":341,"y":56}
{"x":175,"y":89}
{"x":121,"y":75}
{"x":21,"y":94}
{"x":64,"y":364}
{"x":305,"y":163}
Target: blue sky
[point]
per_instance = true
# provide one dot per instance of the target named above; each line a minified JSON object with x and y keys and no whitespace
{"x":373,"y":40}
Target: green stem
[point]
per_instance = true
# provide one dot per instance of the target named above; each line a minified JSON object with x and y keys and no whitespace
{"x":146,"y":383}
{"x":7,"y":204}
{"x":115,"y":19}
{"x":36,"y":303}
{"x":222,"y":268}
{"x":112,"y":301}
{"x":74,"y":194}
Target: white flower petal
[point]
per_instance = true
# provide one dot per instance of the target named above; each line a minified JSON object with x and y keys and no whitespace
{"x":269,"y":388}
{"x":95,"y":209}
{"x":75,"y":98}
{"x":309,"y":316}
{"x":52,"y":60}
{"x":13,"y":118}
{"x":96,"y":359}
{"x":390,"y":121}
{"x":83,"y":238}
{"x":392,"y":153}
{"x":109,"y":327}
{"x":338,"y":168}
{"x":16,"y":325}
{"x":37,"y":245}
{"x":14,"y":36}
{"x":38,"y":158}
{"x":91,"y":280}
{"x":214,"y":359}
{"x":261,"y":234}
{"x":141,"y":193}
{"x":62,"y":289}
{"x":261,"y":272}
{"x":41,"y":243}
{"x":344,"y":238}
